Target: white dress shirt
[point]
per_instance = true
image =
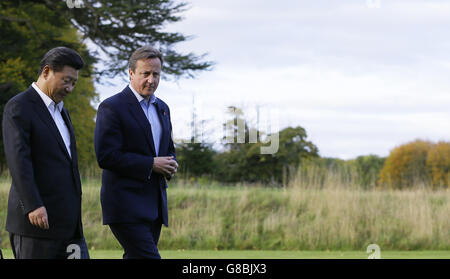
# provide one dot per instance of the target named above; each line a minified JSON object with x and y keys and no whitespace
{"x":55,"y":112}
{"x":149,"y":108}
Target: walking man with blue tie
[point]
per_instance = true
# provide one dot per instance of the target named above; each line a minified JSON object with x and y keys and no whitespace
{"x":134,"y":147}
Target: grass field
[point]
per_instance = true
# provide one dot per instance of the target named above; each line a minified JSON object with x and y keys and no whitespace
{"x":246,"y":254}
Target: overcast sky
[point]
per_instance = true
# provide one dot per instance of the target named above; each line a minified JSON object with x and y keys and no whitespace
{"x":360,"y":76}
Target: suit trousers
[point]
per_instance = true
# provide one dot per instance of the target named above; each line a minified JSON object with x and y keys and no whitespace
{"x":25,"y":247}
{"x":139,"y":241}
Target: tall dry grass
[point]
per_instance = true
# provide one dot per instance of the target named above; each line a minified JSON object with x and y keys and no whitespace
{"x":308,"y":217}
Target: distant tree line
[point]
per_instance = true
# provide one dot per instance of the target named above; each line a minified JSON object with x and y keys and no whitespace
{"x":243,"y":162}
{"x":409,"y":165}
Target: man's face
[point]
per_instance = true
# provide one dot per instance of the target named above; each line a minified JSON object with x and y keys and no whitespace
{"x":145,"y":78}
{"x":60,"y":84}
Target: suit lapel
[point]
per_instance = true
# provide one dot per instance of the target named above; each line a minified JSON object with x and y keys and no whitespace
{"x":66,"y":118}
{"x":73,"y":148}
{"x":136,"y":111}
{"x":43,"y":113}
{"x":162,"y":115}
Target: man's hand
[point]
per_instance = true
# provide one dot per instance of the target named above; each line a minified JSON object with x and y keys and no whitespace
{"x":39,"y":218}
{"x":166,"y":166}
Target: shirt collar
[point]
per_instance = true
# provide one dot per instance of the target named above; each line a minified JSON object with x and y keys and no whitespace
{"x":140,"y":98}
{"x":47,"y":100}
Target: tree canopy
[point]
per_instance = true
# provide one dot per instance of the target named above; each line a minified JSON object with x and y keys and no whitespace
{"x":415,"y":163}
{"x":119,"y":27}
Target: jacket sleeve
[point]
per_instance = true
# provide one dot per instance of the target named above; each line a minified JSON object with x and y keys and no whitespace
{"x":109,"y":147}
{"x":171,"y":144}
{"x":17,"y":145}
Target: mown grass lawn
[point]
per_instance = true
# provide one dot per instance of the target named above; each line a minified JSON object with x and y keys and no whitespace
{"x":247,"y":254}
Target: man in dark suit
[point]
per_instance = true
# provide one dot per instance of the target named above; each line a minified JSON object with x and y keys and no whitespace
{"x":134,"y":147}
{"x":44,"y":205}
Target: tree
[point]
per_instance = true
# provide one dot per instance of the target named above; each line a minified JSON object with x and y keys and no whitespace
{"x":406,"y":165}
{"x":196,"y":157}
{"x":438,"y":164}
{"x":236,"y":129}
{"x":243,"y":160}
{"x":368,"y":169}
{"x":118,"y":27}
{"x":11,"y":82}
{"x":294,"y":147}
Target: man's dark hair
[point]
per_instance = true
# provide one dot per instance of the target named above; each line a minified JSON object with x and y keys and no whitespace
{"x":144,"y":52}
{"x":59,"y":57}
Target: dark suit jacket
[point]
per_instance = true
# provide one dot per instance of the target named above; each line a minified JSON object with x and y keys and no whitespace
{"x":43,"y":174}
{"x":131,"y":192}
